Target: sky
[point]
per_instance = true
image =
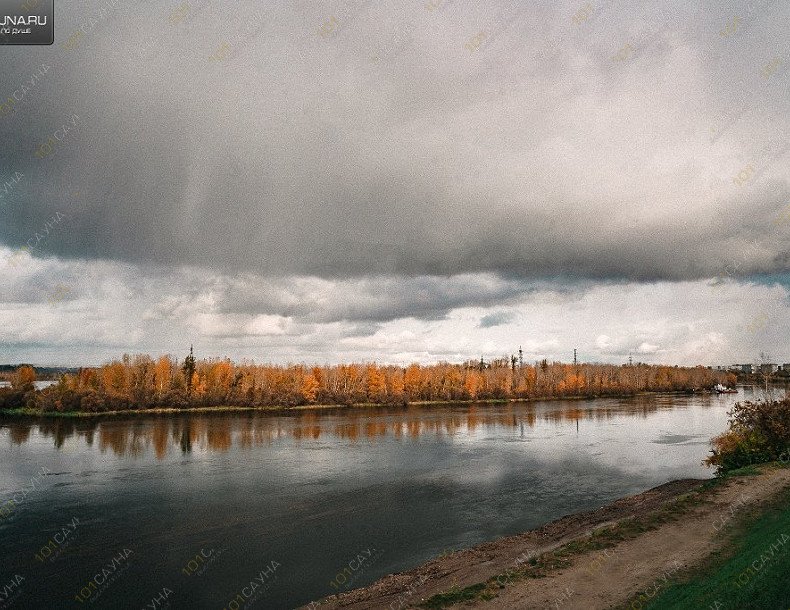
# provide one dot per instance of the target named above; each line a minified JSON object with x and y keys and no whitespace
{"x":398,"y":182}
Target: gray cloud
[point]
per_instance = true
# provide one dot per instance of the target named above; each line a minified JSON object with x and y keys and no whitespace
{"x":67,"y":312}
{"x":498,"y":318}
{"x":389,"y":147}
{"x":374,"y":299}
{"x":375,"y":180}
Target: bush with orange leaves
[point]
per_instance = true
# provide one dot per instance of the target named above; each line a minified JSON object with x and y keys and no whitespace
{"x":758,"y":432}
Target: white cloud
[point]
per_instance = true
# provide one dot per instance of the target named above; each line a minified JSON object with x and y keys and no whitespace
{"x":602,"y":342}
{"x":647,"y":348}
{"x":112,"y":308}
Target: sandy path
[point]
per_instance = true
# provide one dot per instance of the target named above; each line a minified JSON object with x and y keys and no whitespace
{"x":595,"y":580}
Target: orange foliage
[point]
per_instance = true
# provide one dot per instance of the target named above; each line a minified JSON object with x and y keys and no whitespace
{"x":141,"y":382}
{"x":24,"y":377}
{"x":411,"y":381}
{"x":377,"y":388}
{"x":310,"y":387}
{"x":471,"y":383}
{"x":162,"y":373}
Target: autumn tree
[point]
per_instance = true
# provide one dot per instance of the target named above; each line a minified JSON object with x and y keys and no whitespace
{"x":162,"y":373}
{"x":309,"y":387}
{"x":412,"y":378}
{"x":220,"y":377}
{"x":24,"y":378}
{"x":198,"y":384}
{"x":114,"y":380}
{"x":376,"y":386}
{"x":395,"y":383}
{"x":471,"y":383}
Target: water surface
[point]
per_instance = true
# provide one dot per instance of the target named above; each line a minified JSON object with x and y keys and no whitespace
{"x":310,"y":490}
{"x":39,"y":384}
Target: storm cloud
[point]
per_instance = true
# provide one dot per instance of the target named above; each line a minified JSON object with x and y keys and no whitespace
{"x":359,"y":163}
{"x":391,"y":144}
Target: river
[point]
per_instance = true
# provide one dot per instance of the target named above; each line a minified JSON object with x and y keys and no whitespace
{"x":286,"y":500}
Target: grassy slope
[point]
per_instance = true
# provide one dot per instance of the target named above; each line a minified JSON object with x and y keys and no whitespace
{"x":725,"y":583}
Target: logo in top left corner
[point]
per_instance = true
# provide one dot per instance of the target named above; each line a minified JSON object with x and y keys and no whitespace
{"x":27,"y":21}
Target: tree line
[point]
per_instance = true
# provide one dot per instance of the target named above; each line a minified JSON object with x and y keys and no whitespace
{"x":141,"y":382}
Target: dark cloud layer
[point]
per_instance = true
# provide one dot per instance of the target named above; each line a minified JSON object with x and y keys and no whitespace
{"x":391,"y":181}
{"x":389,"y":144}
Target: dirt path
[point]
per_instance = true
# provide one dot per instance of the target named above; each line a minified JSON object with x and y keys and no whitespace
{"x":593,"y":580}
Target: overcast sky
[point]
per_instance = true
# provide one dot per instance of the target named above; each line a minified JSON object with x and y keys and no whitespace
{"x":398,"y":181}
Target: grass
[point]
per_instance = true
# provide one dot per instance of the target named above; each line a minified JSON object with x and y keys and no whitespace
{"x":154,"y":411}
{"x":358,"y":405}
{"x":751,"y":573}
{"x":454,"y":596}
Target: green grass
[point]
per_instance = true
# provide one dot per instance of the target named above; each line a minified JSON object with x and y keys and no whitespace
{"x":37,"y":413}
{"x":21,"y":411}
{"x":454,"y":596}
{"x":726,"y":578}
{"x":152,"y":411}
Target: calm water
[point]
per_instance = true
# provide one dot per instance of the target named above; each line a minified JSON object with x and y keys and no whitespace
{"x":40,"y":385}
{"x":312,"y":490}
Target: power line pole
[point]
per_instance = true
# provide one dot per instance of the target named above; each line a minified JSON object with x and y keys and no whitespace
{"x":574,"y":356}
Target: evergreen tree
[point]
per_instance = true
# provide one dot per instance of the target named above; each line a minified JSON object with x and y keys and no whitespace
{"x":189,"y":369}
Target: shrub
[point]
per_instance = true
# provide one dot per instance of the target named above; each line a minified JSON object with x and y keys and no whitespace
{"x":758,"y":432}
{"x":90,"y":402}
{"x":11,"y":398}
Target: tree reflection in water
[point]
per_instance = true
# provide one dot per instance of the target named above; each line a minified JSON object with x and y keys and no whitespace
{"x":159,"y":435}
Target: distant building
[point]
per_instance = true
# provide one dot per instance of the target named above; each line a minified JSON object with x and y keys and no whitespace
{"x":765,"y":368}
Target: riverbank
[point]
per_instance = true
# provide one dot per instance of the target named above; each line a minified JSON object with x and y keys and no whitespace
{"x":21,"y":412}
{"x":622,"y":555}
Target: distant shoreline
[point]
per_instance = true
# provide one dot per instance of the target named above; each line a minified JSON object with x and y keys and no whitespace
{"x":364,"y":405}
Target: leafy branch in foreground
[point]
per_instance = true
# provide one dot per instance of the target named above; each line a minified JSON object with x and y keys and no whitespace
{"x":758,"y":432}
